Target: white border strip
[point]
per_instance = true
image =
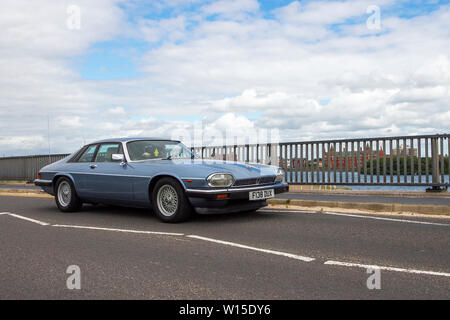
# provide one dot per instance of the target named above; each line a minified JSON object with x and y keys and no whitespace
{"x":366,"y":266}
{"x":287,"y":211}
{"x":386,"y":219}
{"x":118,"y":230}
{"x":278,"y":253}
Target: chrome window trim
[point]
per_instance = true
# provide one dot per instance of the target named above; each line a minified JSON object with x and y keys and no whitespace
{"x":127,"y":156}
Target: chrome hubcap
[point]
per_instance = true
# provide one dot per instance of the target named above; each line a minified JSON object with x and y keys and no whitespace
{"x":64,"y":193}
{"x":167,"y":199}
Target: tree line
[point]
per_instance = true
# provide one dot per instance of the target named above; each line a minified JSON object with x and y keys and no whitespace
{"x":400,"y":167}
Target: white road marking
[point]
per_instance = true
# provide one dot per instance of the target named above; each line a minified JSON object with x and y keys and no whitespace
{"x":386,"y":219}
{"x":366,"y":266}
{"x":288,"y":211}
{"x":278,"y":253}
{"x":233,"y":244}
{"x":359,"y":216}
{"x":118,"y":230}
{"x":25,"y":218}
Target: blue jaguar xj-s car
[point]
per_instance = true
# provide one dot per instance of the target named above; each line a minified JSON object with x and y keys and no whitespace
{"x":158,"y":173}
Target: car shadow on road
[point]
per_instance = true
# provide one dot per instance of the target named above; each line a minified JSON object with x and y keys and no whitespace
{"x":148,"y":214}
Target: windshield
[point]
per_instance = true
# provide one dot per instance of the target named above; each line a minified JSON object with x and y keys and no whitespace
{"x":151,"y":149}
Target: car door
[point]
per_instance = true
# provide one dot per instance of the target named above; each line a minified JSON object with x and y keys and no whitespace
{"x":80,"y":169}
{"x":109,"y":180}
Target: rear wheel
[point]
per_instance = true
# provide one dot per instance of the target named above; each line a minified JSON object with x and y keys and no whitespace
{"x":170,"y":202}
{"x":66,"y":196}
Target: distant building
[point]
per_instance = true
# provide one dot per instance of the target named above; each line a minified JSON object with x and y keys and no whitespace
{"x":350,"y":159}
{"x":410,"y":151}
{"x":341,"y":159}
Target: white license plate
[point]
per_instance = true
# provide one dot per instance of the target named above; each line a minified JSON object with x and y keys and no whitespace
{"x":261,"y":194}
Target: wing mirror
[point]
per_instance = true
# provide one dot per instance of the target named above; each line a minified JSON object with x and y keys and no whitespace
{"x":116,"y":157}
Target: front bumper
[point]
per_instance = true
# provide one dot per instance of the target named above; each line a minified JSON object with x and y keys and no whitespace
{"x":205,"y":200}
{"x":235,"y":193}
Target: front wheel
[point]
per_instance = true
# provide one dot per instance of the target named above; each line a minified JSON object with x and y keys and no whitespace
{"x":66,"y":197}
{"x":170,"y":202}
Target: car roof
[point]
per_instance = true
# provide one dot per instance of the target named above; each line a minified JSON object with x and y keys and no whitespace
{"x":132,"y":139}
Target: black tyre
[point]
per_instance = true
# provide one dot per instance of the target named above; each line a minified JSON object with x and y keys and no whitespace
{"x":170,"y":202}
{"x":66,"y":196}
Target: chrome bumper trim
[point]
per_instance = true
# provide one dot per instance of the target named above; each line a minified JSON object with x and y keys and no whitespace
{"x":237,"y":189}
{"x":43,"y":183}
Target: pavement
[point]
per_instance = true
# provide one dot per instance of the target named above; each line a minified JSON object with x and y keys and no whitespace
{"x":19,"y":186}
{"x":366,"y":199}
{"x":272,"y":254}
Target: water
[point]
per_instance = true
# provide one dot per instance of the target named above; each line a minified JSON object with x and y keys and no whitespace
{"x":341,"y":178}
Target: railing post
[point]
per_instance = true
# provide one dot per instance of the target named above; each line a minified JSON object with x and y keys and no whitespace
{"x":247,"y":158}
{"x":434,"y":161}
{"x":434,"y":166}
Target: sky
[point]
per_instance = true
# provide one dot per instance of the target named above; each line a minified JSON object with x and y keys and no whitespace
{"x":72,"y":72}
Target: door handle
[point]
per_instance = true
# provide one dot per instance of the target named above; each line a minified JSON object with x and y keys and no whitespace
{"x":93,"y":166}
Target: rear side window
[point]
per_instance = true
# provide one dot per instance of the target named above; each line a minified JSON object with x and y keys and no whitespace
{"x":88,"y":155}
{"x":106,"y":151}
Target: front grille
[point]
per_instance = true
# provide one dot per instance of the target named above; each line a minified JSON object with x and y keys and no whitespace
{"x":254,"y":181}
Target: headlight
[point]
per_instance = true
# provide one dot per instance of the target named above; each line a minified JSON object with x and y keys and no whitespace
{"x":280,"y":175}
{"x":220,"y":180}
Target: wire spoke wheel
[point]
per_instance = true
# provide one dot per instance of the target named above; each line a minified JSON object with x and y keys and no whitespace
{"x":64,"y":193}
{"x":167,"y":200}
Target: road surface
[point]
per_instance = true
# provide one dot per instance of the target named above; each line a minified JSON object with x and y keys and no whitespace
{"x":127,"y":253}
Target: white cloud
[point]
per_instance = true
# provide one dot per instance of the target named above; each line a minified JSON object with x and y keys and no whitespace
{"x":72,"y":122}
{"x":23,"y":144}
{"x":294,"y":71}
{"x":231,"y":8}
{"x":117,"y":111}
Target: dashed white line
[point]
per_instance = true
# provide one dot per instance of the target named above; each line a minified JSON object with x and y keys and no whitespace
{"x":367,"y":266}
{"x":359,"y":216}
{"x":118,"y":230}
{"x":238,"y":245}
{"x":278,"y":253}
{"x":288,"y":211}
{"x":25,"y":218}
{"x":386,"y":219}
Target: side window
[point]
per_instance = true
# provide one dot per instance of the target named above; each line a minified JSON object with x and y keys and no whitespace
{"x":106,"y":151}
{"x":88,"y":155}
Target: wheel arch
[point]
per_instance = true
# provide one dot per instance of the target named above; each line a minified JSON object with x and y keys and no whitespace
{"x":62,"y":175}
{"x":155,"y":179}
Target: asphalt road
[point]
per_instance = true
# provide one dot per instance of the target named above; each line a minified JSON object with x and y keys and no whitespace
{"x":263,"y":255}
